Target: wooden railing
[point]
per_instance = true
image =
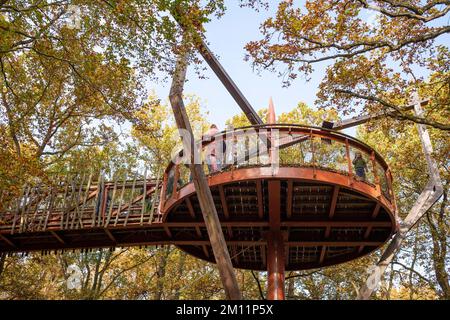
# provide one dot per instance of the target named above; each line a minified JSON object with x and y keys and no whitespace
{"x":80,"y":202}
{"x":284,"y":145}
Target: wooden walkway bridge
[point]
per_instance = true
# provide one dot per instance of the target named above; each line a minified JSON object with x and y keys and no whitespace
{"x":326,"y":214}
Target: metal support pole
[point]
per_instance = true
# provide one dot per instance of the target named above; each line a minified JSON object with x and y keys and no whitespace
{"x":275,"y":266}
{"x":275,"y":245}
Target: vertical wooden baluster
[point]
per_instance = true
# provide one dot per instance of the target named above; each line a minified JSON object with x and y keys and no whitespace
{"x":49,"y":209}
{"x":163,"y":198}
{"x":299,"y":146}
{"x":313,"y":153}
{"x":23,"y":219}
{"x":111,"y":204}
{"x":2,"y":196}
{"x":391,"y":191}
{"x":175,"y":193}
{"x":121,"y":199}
{"x":375,"y":174}
{"x":349,"y":161}
{"x":38,"y":201}
{"x":64,"y":200}
{"x":41,"y":216}
{"x":155,"y":198}
{"x":40,"y":198}
{"x":98,"y":199}
{"x":24,"y":208}
{"x":68,"y":208}
{"x":45,"y":209}
{"x":144,"y":197}
{"x":131,"y":200}
{"x":77,"y":203}
{"x":17,"y":214}
{"x":85,"y":197}
{"x":104,"y":204}
{"x":101,"y":215}
{"x":389,"y":181}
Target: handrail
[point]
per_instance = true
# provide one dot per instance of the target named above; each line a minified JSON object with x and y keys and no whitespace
{"x":321,"y":155}
{"x":374,"y":159}
{"x":291,"y":128}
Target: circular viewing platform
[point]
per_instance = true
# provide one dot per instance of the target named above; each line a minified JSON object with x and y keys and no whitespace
{"x":325,"y":194}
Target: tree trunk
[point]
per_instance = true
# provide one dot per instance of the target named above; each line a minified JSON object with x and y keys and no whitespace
{"x":161,"y":272}
{"x":439,"y":236}
{"x":290,"y":289}
{"x":181,"y":264}
{"x":207,"y":206}
{"x":431,"y":193}
{"x":2,"y":263}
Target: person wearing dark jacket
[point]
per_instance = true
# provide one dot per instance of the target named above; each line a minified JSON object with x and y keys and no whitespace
{"x":360,"y":166}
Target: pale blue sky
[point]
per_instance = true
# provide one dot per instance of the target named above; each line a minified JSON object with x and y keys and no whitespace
{"x":227,"y":37}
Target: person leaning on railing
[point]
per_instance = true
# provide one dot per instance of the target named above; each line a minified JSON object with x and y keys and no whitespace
{"x":360,"y":166}
{"x":212,"y":160}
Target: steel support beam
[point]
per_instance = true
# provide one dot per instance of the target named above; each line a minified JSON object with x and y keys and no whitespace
{"x":204,"y":194}
{"x":355,"y":121}
{"x":275,"y":266}
{"x":180,"y":242}
{"x":218,"y":69}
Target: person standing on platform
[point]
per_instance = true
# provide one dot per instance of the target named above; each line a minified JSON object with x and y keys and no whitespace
{"x":212,"y":152}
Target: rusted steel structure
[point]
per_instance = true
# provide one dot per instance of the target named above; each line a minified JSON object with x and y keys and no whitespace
{"x":309,"y":211}
{"x":313,"y":203}
{"x":287,"y":197}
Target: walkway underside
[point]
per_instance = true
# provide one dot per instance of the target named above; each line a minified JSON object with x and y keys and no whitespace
{"x":321,"y":223}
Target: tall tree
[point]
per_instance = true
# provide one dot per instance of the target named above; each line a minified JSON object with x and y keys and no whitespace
{"x":375,"y":51}
{"x":423,"y":262}
{"x":71,"y":70}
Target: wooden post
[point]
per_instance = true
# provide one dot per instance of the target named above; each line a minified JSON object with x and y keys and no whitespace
{"x":27,"y":200}
{"x":17,"y":212}
{"x":204,"y":195}
{"x":64,"y":200}
{"x":49,"y":208}
{"x":313,"y":153}
{"x":155,"y":198}
{"x":375,"y":173}
{"x":98,"y":198}
{"x":111,"y":205}
{"x":432,"y":192}
{"x":349,"y":162}
{"x":119,"y":208}
{"x":144,"y":195}
{"x":86,"y":195}
{"x":131,"y":200}
{"x":77,"y":211}
{"x":175,"y":189}
{"x":70,"y":203}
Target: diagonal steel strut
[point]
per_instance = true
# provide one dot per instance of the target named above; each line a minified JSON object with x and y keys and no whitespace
{"x":432,"y":192}
{"x":220,"y":72}
{"x":205,"y":198}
